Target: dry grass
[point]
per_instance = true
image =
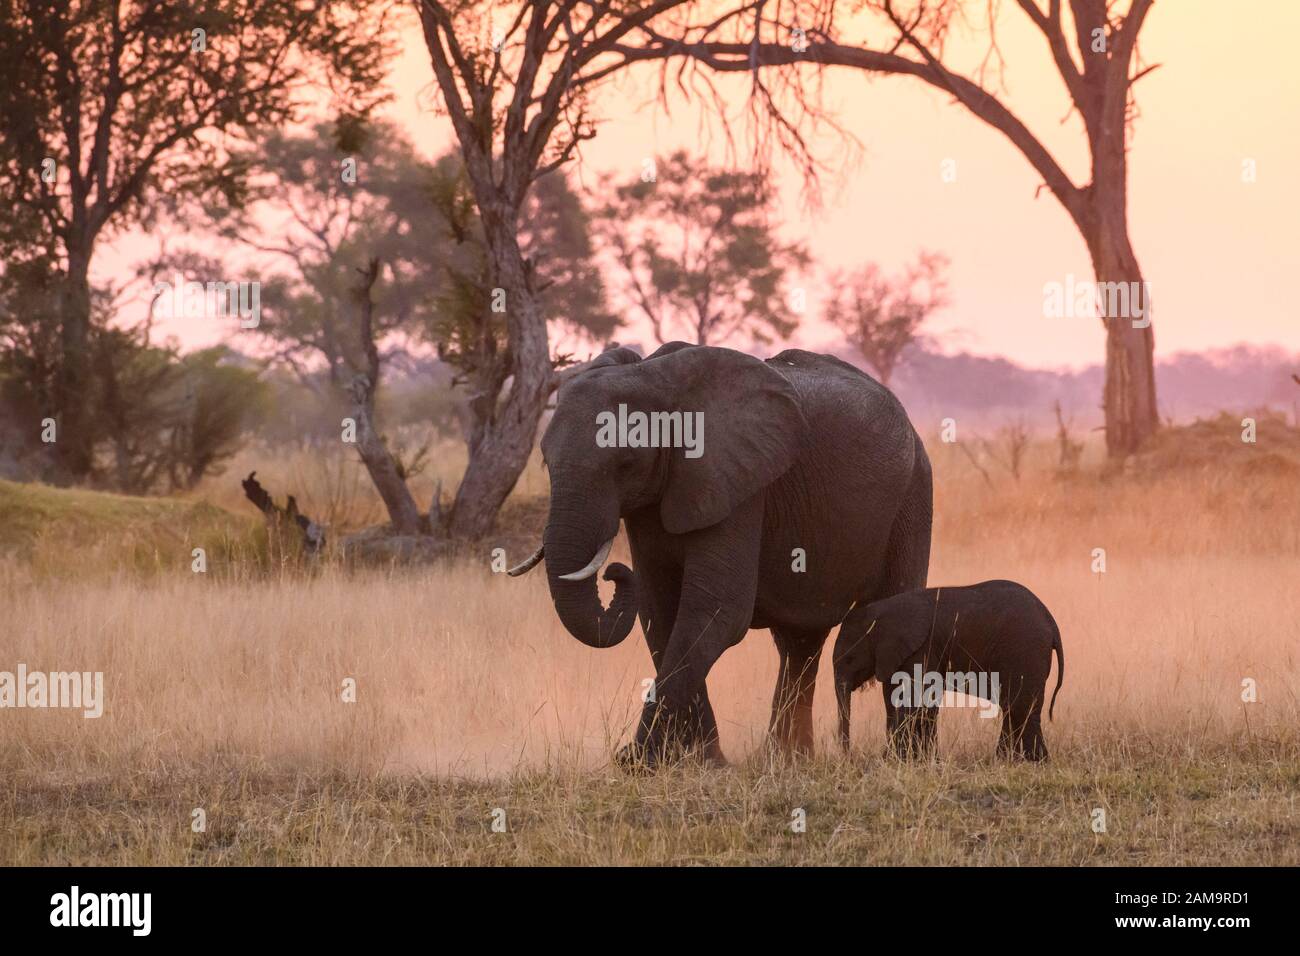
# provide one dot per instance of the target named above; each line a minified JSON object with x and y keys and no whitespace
{"x":223,"y":692}
{"x":52,"y":534}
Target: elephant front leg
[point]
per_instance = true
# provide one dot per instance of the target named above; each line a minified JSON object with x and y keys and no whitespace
{"x":682,"y":725}
{"x":660,"y":595}
{"x":676,"y":728}
{"x":716,"y":605}
{"x":680,"y":721}
{"x":659,"y":582}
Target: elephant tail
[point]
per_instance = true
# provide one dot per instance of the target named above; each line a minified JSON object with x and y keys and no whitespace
{"x":843,"y":700}
{"x":1060,"y":666}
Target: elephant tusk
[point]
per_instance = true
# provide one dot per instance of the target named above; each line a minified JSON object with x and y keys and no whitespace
{"x":593,"y":566}
{"x":528,"y":563}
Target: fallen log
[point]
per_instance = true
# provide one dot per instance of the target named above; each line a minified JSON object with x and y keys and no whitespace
{"x":313,"y":534}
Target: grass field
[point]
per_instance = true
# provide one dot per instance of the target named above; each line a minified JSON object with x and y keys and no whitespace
{"x":224,"y":693}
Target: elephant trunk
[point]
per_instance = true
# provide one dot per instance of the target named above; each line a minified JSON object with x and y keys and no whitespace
{"x":573,"y":559}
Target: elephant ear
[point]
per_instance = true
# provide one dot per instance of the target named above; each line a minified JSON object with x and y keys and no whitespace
{"x":752,"y":430}
{"x":614,"y":355}
{"x":668,"y":348}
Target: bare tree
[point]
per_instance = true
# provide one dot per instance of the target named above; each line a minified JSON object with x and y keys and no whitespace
{"x":974,"y":460}
{"x":1069,"y":449}
{"x":508,"y":87}
{"x":1095,"y":52}
{"x":1009,"y":446}
{"x":881,"y":316}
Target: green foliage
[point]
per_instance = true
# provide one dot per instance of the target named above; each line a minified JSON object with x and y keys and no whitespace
{"x":168,"y":421}
{"x":119,"y":114}
{"x":159,"y":421}
{"x":142,"y":99}
{"x":29,"y":339}
{"x":556,"y":236}
{"x":220,"y":402}
{"x":420,"y":220}
{"x":700,"y":254}
{"x":327,"y":224}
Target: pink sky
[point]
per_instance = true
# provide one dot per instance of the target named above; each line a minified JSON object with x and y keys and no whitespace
{"x":1219,"y":253}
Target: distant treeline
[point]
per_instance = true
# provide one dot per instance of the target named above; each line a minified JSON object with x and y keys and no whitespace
{"x":932,"y":385}
{"x":1191,"y":385}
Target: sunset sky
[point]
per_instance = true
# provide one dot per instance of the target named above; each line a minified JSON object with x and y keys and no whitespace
{"x":1220,"y":254}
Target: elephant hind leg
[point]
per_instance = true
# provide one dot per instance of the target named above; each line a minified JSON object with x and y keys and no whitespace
{"x":791,"y":727}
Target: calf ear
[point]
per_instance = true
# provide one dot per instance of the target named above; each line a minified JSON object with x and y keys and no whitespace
{"x":895,"y":646}
{"x":854,"y":657}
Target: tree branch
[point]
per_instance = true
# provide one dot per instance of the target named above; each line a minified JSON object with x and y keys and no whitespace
{"x":726,"y":57}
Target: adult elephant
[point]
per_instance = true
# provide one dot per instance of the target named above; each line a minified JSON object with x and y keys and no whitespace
{"x":810,"y":492}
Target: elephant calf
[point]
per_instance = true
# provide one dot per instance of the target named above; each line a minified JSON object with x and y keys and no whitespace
{"x":992,"y":640}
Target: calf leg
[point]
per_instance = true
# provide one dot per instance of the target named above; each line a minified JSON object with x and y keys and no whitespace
{"x":1033,"y":746}
{"x":912,"y":731}
{"x":1022,"y":730}
{"x":928,"y":731}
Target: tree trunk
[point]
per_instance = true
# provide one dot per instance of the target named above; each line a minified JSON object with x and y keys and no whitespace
{"x":379,"y":462}
{"x":505,"y":442}
{"x":75,"y":442}
{"x":1129,"y":395}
